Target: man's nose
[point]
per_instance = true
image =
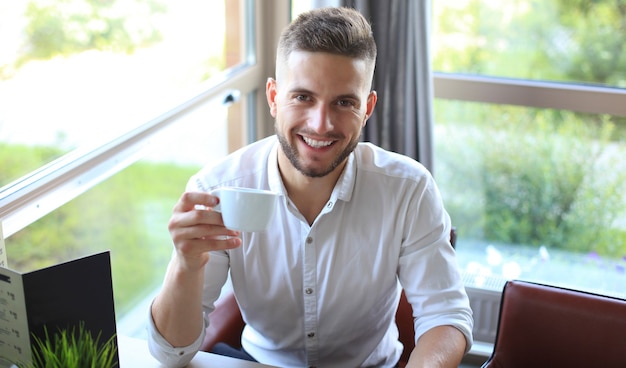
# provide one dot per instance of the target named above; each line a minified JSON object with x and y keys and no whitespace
{"x":320,"y":119}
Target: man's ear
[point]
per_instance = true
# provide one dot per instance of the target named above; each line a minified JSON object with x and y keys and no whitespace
{"x":270,"y":93}
{"x":369,"y":106}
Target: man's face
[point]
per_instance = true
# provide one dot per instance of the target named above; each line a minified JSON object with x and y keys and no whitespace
{"x":321,"y":103}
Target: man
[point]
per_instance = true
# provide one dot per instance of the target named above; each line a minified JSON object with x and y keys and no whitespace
{"x":355,"y":224}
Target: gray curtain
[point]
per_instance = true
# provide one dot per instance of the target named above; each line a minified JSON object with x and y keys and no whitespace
{"x":403,"y":119}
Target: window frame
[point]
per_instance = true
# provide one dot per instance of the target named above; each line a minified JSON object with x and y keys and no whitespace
{"x":530,"y":93}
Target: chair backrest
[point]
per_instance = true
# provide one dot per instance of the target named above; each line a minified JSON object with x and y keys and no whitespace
{"x":404,"y":321}
{"x":546,"y":326}
{"x":226,"y":323}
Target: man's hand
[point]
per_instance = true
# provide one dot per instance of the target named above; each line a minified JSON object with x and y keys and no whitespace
{"x":196,"y":229}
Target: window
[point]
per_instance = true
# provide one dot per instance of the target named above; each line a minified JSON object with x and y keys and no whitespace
{"x":530,"y":123}
{"x":104,"y":121}
{"x":80,"y":73}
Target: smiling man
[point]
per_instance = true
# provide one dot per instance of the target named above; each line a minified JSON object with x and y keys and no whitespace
{"x":355,"y":225}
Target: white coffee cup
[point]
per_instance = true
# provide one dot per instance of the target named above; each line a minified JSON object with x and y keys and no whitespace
{"x":246,"y":209}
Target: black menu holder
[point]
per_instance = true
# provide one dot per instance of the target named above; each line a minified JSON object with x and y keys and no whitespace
{"x":62,"y":296}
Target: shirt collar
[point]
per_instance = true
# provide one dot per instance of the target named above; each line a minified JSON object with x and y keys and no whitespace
{"x":273,"y":174}
{"x":345,"y":184}
{"x":342,"y":191}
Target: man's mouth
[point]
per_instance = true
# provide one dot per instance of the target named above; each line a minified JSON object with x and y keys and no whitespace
{"x":316,"y":143}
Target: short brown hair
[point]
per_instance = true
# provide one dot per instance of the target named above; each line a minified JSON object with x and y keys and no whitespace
{"x":340,"y":31}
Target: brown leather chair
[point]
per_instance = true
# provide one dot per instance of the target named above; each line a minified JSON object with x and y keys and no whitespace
{"x":227,"y":324}
{"x":546,"y":326}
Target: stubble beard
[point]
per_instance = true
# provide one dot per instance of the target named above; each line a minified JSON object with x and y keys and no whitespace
{"x":294,"y":158}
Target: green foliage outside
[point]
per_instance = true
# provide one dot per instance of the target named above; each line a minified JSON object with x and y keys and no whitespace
{"x":565,"y":40}
{"x":549,"y":186}
{"x":598,"y":29}
{"x":532,"y":181}
{"x":66,"y":27}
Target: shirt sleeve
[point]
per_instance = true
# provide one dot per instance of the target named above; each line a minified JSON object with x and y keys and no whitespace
{"x":164,"y":352}
{"x":428,"y":270}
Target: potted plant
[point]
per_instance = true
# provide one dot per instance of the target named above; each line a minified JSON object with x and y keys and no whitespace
{"x":74,"y":348}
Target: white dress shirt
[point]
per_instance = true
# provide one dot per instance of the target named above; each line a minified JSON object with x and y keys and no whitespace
{"x":325,"y":295}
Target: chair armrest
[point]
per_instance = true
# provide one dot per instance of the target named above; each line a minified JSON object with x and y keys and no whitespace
{"x":225,"y":323}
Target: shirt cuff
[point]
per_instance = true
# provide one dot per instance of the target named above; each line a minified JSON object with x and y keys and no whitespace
{"x":167,"y":354}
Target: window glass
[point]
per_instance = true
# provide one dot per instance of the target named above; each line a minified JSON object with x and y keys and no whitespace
{"x":535,"y":194}
{"x":79,"y":72}
{"x":558,"y":40}
{"x":128,"y":213}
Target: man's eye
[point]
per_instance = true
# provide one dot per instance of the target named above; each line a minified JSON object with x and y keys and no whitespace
{"x":302,"y":98}
{"x":345,"y":103}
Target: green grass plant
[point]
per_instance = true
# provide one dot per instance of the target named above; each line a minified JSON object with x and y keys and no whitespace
{"x":74,"y":348}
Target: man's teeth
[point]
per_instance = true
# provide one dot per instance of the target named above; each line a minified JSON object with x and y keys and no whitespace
{"x":316,"y":144}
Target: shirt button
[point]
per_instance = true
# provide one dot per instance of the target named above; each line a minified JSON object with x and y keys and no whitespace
{"x":308,"y":291}
{"x":181,"y":353}
{"x":310,"y":335}
{"x":329,"y":205}
{"x":309,"y":240}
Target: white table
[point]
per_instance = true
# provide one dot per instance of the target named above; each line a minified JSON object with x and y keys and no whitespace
{"x":134,"y":353}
